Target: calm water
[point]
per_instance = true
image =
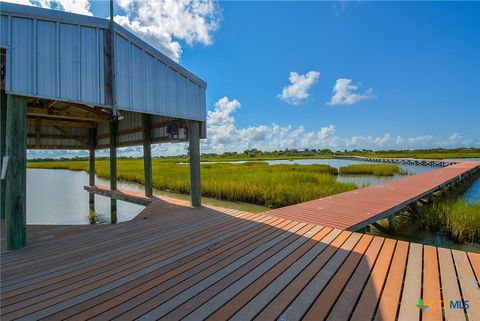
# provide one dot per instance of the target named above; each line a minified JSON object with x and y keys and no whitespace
{"x":360,"y":180}
{"x":56,"y":196}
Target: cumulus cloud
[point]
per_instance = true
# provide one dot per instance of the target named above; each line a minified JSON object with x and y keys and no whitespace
{"x":162,"y":23}
{"x":345,"y":93}
{"x":297,"y":92}
{"x":225,"y":136}
{"x":75,"y":6}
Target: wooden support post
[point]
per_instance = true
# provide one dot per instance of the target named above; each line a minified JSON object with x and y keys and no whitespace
{"x":147,"y":154}
{"x":91,"y":173}
{"x":194,"y":152}
{"x":15,"y":195}
{"x":391,"y":223}
{"x":113,"y":170}
{"x":3,"y":133}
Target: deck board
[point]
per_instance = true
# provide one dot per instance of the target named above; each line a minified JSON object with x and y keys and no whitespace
{"x":177,"y":262}
{"x":356,"y":209}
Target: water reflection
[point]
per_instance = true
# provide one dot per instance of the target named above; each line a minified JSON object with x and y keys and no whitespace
{"x":57,"y":197}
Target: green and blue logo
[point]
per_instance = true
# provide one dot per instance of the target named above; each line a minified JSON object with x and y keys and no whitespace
{"x":421,"y":305}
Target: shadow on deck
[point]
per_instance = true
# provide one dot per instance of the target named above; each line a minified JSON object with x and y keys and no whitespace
{"x":175,"y":262}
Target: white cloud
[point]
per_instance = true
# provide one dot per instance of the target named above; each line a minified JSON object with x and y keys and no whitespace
{"x":297,"y":92}
{"x":224,"y":135}
{"x":75,"y":6}
{"x":455,"y":137}
{"x":163,"y":23}
{"x":345,"y":93}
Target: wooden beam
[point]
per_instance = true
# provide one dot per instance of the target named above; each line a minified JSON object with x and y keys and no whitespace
{"x":118,"y":195}
{"x":147,"y":154}
{"x":16,"y":140}
{"x":61,"y":123}
{"x":3,"y":132}
{"x":57,"y":136}
{"x":50,"y":103}
{"x":66,"y":114}
{"x":95,"y":111}
{"x":59,"y":146}
{"x":113,"y":169}
{"x":194,"y":152}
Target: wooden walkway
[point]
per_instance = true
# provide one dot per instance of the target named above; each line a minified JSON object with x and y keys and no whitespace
{"x":403,"y":161}
{"x":176,"y":262}
{"x":356,"y":209}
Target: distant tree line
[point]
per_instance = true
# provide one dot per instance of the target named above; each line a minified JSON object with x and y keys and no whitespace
{"x":306,"y":152}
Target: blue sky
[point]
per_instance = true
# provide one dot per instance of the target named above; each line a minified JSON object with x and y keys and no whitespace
{"x":407,"y":74}
{"x":421,"y":59}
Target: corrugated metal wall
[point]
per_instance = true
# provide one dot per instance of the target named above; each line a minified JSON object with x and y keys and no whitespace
{"x":54,"y":60}
{"x":60,"y":56}
{"x":144,"y":83}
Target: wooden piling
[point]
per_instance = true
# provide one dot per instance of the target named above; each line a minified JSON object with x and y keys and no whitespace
{"x":15,"y":194}
{"x":113,"y":169}
{"x":147,"y":154}
{"x":3,"y":132}
{"x":91,"y":173}
{"x":194,"y":152}
{"x":391,"y":223}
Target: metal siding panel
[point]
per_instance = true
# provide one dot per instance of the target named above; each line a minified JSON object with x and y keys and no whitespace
{"x":203,"y":103}
{"x":88,"y":65}
{"x":151,"y":83}
{"x":4,"y":31}
{"x":69,"y":60}
{"x":171,"y":93}
{"x":101,"y":66}
{"x":161,"y":96}
{"x":122,"y":72}
{"x":22,"y":55}
{"x":181,"y":95}
{"x":138,"y":79}
{"x":46,"y":58}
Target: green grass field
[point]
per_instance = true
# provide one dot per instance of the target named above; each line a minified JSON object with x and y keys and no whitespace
{"x":272,"y":186}
{"x":372,"y":169}
{"x":456,"y":218}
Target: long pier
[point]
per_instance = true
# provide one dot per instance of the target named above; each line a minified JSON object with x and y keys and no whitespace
{"x":357,"y":209}
{"x":176,"y":262}
{"x":403,"y":161}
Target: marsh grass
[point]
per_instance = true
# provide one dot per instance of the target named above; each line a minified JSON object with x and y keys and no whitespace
{"x":457,"y":218}
{"x":272,"y":186}
{"x":372,"y":169}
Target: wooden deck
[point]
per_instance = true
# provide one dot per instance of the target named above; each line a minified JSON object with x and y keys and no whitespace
{"x":358,"y":208}
{"x":175,"y":262}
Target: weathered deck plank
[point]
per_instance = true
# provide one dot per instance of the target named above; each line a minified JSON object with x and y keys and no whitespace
{"x":209,"y":263}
